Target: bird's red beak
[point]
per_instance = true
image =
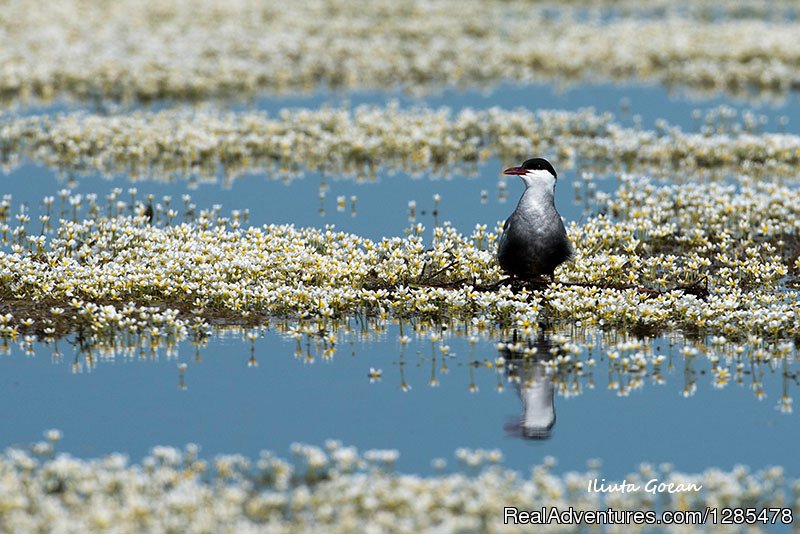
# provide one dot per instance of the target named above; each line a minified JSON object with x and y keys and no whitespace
{"x":515,"y":171}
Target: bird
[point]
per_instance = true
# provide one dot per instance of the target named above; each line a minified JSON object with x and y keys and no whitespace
{"x":534,"y":241}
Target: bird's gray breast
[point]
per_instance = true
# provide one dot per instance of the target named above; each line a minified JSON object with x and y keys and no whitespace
{"x":534,"y":239}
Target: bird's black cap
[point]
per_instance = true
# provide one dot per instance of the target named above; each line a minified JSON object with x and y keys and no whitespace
{"x":539,"y":164}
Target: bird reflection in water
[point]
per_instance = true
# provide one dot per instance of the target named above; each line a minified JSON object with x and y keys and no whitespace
{"x":534,"y":387}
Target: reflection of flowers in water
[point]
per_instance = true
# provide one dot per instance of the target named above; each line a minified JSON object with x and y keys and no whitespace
{"x":632,"y":364}
{"x":337,"y":488}
{"x":375,"y":374}
{"x":572,"y":364}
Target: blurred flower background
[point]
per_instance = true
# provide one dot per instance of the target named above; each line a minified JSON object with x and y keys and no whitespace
{"x":261,"y":226}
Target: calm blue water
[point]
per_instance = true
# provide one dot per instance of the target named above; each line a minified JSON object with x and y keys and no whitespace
{"x":131,"y":405}
{"x":650,"y":101}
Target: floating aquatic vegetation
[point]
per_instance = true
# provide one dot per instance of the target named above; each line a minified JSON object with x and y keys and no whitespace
{"x":172,"y":144}
{"x":701,"y":257}
{"x":336,"y":488}
{"x":198,"y":49}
